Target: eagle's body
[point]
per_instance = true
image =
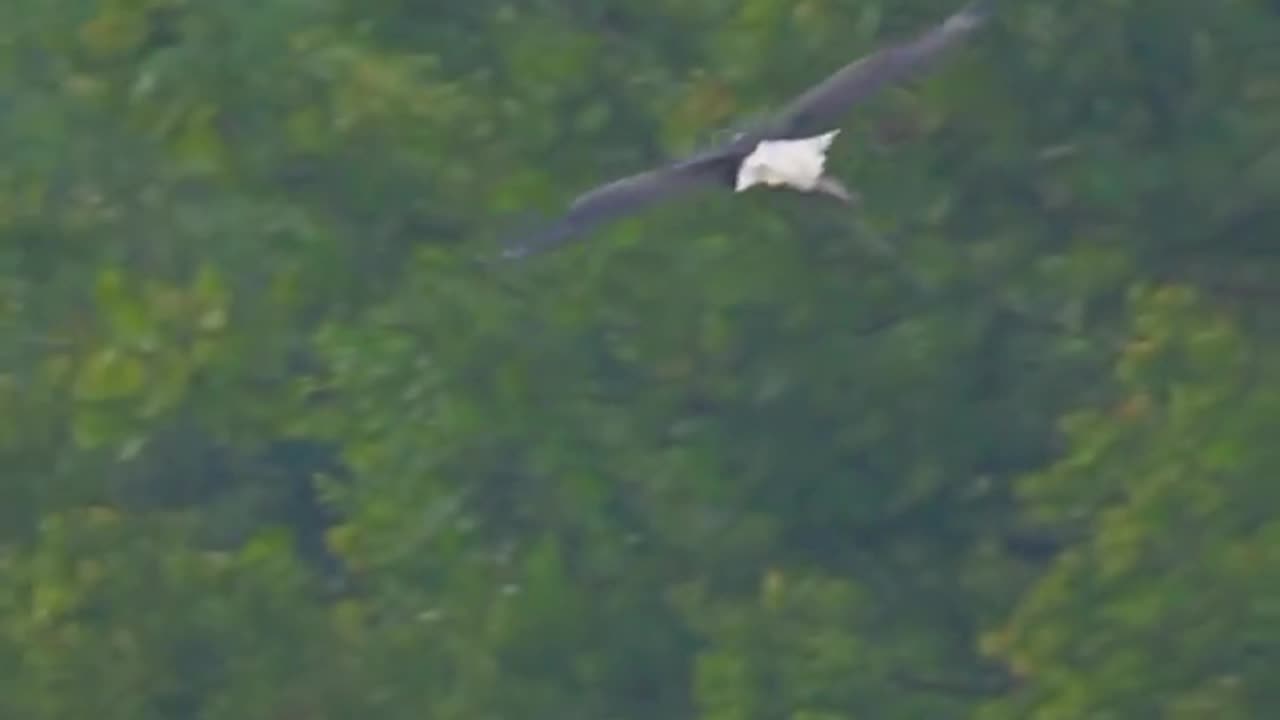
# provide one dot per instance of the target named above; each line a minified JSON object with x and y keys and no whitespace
{"x":786,"y":151}
{"x":796,"y":164}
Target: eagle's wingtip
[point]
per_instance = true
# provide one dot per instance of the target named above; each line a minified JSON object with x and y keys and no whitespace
{"x":972,"y":15}
{"x":528,"y":244}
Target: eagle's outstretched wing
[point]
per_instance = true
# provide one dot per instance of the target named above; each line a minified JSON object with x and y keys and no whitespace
{"x":627,"y":195}
{"x":821,"y":106}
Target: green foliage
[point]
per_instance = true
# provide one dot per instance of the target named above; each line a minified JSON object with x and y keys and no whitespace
{"x":272,"y":445}
{"x":117,"y":617}
{"x":1163,"y":604}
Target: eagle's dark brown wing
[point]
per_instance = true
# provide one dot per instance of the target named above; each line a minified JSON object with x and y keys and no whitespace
{"x":627,"y":195}
{"x":821,"y":107}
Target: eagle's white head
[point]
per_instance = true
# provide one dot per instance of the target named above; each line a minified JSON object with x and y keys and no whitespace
{"x":797,"y":164}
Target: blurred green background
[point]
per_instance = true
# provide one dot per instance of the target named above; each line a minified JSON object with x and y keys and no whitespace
{"x":273,"y":447}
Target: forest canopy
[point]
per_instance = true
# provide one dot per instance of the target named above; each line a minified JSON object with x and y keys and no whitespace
{"x":273,"y":445}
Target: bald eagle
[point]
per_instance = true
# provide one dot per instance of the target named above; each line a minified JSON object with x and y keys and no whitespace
{"x":788,"y":150}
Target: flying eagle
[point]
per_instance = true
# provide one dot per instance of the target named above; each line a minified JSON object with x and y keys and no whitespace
{"x":787,"y":150}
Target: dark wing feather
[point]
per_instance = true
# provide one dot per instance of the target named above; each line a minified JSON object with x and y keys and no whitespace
{"x":822,"y":105}
{"x":627,"y":195}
